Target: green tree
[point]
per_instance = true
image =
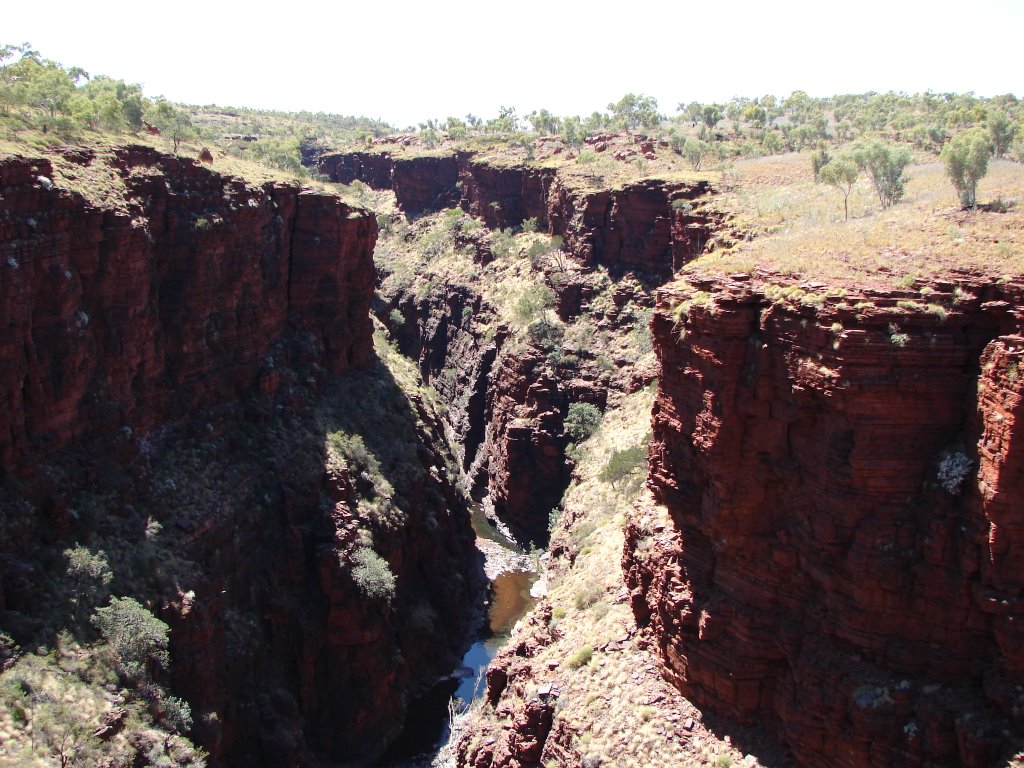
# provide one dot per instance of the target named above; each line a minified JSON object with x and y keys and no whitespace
{"x":884,"y":165}
{"x":694,"y":111}
{"x":695,"y":151}
{"x":711,"y":114}
{"x":534,"y":303}
{"x":90,"y":577}
{"x":137,"y":637}
{"x":623,"y":463}
{"x":841,"y":173}
{"x":544,"y":123}
{"x":46,"y":87}
{"x":966,"y":160}
{"x":572,"y":132}
{"x":756,"y":115}
{"x":1001,"y":130}
{"x":635,"y":111}
{"x":505,"y":122}
{"x":582,"y":421}
{"x":171,"y":120}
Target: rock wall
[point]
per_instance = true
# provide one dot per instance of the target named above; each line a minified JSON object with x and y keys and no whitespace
{"x":642,"y":227}
{"x":168,"y":394}
{"x":842,"y":475}
{"x":505,"y":409}
{"x":121,"y":319}
{"x":283,"y":656}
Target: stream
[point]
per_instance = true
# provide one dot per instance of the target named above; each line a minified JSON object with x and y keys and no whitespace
{"x":512,"y":574}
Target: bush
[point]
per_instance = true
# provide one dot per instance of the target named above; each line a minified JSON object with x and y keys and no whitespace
{"x":177,"y":714}
{"x":953,"y":470}
{"x":582,"y":421}
{"x":373,"y":575}
{"x":502,"y":242}
{"x":623,"y":463}
{"x":587,"y":597}
{"x":581,"y":658}
{"x":136,"y":636}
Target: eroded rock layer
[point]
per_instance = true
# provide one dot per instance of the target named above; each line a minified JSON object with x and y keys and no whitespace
{"x":843,"y":478}
{"x":120,"y":319}
{"x":648,"y":227}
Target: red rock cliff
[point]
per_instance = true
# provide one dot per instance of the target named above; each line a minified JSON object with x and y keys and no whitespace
{"x":120,"y":319}
{"x":165,"y":358}
{"x":844,"y":559}
{"x":638,"y":227}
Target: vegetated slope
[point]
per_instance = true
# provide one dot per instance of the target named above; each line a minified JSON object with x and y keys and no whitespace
{"x":527,"y":346}
{"x":197,"y":416}
{"x":834,"y":532}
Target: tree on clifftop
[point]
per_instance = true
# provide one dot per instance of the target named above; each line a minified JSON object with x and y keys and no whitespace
{"x":885,"y":166}
{"x":966,"y":158}
{"x":632,"y":111}
{"x":842,"y":174}
{"x":172,"y":121}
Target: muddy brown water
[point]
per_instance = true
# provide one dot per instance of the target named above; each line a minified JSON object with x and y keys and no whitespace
{"x":513,"y":573}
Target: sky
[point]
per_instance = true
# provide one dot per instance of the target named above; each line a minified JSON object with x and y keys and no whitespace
{"x":405,"y":62}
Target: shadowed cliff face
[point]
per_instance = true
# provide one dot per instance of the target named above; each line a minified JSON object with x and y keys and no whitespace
{"x":843,"y":560}
{"x":181,"y":363}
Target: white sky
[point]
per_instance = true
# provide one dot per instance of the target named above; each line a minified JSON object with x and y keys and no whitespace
{"x":407,"y":61}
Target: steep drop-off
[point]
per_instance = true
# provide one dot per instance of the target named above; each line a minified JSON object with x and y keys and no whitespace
{"x":842,"y":561}
{"x":648,"y":226}
{"x":120,"y":319}
{"x":190,"y":386}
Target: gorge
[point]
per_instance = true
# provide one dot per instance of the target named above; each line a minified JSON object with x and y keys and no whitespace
{"x":827,"y":549}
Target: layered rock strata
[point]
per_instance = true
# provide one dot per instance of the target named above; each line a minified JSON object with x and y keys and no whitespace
{"x":170,"y":390}
{"x":649,"y":227}
{"x":120,"y":319}
{"x":842,"y":478}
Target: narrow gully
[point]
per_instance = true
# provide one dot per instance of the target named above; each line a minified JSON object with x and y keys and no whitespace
{"x":512,"y":573}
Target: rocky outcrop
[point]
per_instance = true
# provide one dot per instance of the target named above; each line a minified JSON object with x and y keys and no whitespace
{"x":841,"y":476}
{"x":526,"y":465}
{"x":421,"y":184}
{"x":121,"y":319}
{"x":449,"y":334}
{"x":504,"y":196}
{"x":371,"y":168}
{"x":647,"y":227}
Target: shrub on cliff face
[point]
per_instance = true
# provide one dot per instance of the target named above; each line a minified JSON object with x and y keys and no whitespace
{"x":137,"y":637}
{"x":90,"y":577}
{"x":623,"y":463}
{"x":953,"y":470}
{"x":582,"y":421}
{"x":373,"y":575}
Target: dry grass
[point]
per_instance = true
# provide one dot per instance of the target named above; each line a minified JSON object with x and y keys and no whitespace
{"x":797,"y":226}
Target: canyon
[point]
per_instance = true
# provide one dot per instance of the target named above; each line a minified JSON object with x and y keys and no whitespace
{"x":828,"y":549}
